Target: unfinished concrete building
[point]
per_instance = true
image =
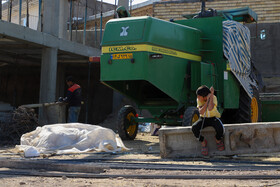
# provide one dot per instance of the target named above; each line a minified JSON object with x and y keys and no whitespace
{"x":38,"y":50}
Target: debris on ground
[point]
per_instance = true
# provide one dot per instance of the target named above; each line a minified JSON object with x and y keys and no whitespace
{"x":21,"y":121}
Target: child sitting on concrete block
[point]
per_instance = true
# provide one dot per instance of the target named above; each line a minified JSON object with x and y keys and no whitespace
{"x":209,"y":116}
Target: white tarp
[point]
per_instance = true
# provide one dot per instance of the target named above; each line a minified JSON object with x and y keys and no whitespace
{"x":69,"y":138}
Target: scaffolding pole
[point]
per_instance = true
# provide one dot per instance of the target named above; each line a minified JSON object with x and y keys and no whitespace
{"x":85,"y":24}
{"x":70,"y":20}
{"x":39,"y":14}
{"x":10,"y":10}
{"x":95,"y":24}
{"x":115,"y":9}
{"x":27,"y":13}
{"x":77,"y":20}
{"x":101,"y":23}
{"x":19,"y":16}
{"x":0,"y":9}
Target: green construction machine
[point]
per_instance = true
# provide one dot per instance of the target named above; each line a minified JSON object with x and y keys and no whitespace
{"x":159,"y":65}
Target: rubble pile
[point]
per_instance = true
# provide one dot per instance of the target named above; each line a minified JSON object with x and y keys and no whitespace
{"x":22,"y":120}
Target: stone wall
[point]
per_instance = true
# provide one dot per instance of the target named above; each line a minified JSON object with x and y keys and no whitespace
{"x":268,"y":11}
{"x":143,"y":11}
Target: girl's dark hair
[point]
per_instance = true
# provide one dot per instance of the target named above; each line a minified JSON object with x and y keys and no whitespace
{"x":203,"y":91}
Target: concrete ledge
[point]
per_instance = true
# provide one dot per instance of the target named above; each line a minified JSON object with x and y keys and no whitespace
{"x":239,"y":139}
{"x":25,"y":34}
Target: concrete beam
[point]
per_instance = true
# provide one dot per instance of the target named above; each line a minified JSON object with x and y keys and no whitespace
{"x":33,"y":37}
{"x":239,"y":139}
{"x":14,"y":60}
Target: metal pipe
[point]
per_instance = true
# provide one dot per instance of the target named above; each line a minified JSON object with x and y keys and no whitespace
{"x":70,"y":20}
{"x":19,"y":16}
{"x":85,"y":24}
{"x":101,"y":22}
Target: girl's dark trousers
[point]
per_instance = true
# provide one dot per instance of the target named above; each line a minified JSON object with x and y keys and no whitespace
{"x":214,"y":122}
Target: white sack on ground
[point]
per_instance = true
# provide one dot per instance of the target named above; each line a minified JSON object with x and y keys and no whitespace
{"x":70,"y":138}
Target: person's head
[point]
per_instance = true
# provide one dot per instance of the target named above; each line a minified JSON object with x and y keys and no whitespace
{"x":70,"y":81}
{"x":202,"y":93}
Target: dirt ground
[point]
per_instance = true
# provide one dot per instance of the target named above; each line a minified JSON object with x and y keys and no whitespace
{"x":42,"y":181}
{"x":145,"y":148}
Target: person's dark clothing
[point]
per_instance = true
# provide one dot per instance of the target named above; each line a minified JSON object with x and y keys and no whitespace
{"x":74,"y":95}
{"x":214,"y":122}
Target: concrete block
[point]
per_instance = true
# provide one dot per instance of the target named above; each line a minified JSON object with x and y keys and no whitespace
{"x":244,"y":138}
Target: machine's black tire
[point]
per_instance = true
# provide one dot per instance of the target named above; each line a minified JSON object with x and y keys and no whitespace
{"x":191,"y":115}
{"x":244,"y":113}
{"x":127,"y":129}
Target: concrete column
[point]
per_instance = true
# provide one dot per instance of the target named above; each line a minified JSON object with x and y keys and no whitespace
{"x":48,"y":81}
{"x":51,"y":17}
{"x":63,"y":18}
{"x":51,"y":26}
{"x":48,"y":75}
{"x":124,"y":3}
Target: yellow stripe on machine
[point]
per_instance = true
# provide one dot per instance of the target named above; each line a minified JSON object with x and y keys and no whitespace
{"x":150,"y":48}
